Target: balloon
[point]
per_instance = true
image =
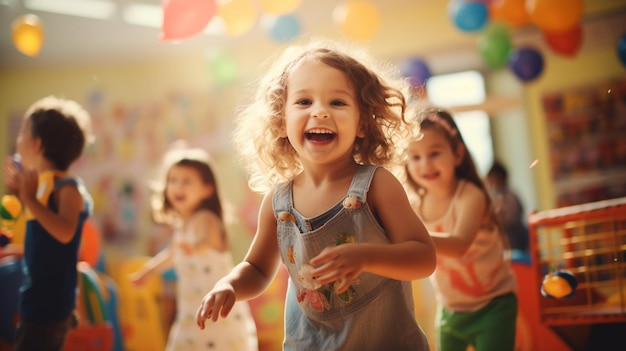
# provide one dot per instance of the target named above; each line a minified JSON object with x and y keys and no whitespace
{"x":27,"y":32}
{"x":621,"y":49}
{"x":222,"y":66}
{"x":185,"y":18}
{"x":565,"y":43}
{"x":279,"y":7}
{"x":416,"y":70}
{"x":239,"y":16}
{"x":494,"y":45}
{"x":359,"y":20}
{"x":468,"y":16}
{"x":526,"y":63}
{"x":512,"y":12}
{"x":285,"y":28}
{"x":90,"y":244}
{"x":555,"y":15}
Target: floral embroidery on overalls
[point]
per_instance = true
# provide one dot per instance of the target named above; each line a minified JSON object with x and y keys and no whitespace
{"x":344,"y":238}
{"x":309,"y":296}
{"x":348,"y":295}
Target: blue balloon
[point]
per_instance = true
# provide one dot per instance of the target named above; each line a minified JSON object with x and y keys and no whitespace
{"x":621,"y":49}
{"x":468,"y":16}
{"x":285,"y":28}
{"x":416,"y":70}
{"x":526,"y":63}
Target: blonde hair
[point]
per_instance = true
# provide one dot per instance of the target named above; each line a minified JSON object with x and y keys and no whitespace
{"x":381,"y":94}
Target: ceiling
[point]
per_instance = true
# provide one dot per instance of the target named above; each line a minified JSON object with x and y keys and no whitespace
{"x":72,"y":40}
{"x":77,"y":40}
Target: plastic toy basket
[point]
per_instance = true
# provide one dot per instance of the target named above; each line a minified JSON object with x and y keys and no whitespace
{"x":589,"y":241}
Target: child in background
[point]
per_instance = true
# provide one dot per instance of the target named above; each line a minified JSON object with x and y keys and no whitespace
{"x":188,"y":200}
{"x":53,"y":135}
{"x":508,"y":207}
{"x":473,"y":282}
{"x":315,"y":138}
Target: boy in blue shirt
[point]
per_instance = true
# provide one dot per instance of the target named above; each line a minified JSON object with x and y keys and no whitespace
{"x":53,"y":135}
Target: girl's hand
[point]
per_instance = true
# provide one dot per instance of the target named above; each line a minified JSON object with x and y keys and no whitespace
{"x":217,"y":302}
{"x":341,"y":263}
{"x":138,"y":278}
{"x":28,"y":183}
{"x":10,"y":173}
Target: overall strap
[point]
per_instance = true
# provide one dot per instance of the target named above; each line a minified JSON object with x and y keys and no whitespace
{"x":282,"y":200}
{"x":361,"y":182}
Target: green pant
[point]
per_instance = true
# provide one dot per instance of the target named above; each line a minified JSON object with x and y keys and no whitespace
{"x":491,"y":328}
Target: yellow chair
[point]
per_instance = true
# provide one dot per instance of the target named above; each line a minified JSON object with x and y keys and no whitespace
{"x":139,"y":315}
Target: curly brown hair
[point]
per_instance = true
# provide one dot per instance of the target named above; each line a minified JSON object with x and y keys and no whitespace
{"x":381,"y":95}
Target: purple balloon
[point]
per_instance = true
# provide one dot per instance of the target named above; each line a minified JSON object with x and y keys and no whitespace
{"x":416,"y":70}
{"x":526,"y":63}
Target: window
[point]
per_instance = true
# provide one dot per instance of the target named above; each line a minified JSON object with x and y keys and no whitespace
{"x":463,"y":89}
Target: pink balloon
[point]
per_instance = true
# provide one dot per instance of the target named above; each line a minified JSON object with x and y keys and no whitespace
{"x":185,"y":18}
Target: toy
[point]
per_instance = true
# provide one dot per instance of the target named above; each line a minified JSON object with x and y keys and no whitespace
{"x":561,"y":284}
{"x":10,"y":210}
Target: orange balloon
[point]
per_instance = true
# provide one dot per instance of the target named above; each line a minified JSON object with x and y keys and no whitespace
{"x":90,"y":244}
{"x":239,"y":16}
{"x":27,"y":32}
{"x":359,"y":20}
{"x":512,"y":12}
{"x":555,"y":15}
{"x":279,"y":7}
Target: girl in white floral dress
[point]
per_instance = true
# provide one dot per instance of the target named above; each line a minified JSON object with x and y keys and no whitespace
{"x":189,"y":201}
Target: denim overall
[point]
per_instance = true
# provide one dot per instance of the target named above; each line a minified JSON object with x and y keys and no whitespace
{"x":375,"y":313}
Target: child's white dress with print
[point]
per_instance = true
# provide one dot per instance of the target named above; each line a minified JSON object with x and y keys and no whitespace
{"x":196,"y":274}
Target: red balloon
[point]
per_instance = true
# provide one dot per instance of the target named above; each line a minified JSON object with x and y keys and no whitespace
{"x":185,"y":18}
{"x":565,"y":43}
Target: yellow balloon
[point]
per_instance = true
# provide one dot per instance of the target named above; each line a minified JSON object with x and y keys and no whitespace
{"x":27,"y":32}
{"x":239,"y":16}
{"x":359,"y":20}
{"x":279,"y":7}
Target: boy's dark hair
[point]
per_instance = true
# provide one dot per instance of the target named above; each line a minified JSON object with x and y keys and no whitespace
{"x":63,"y":128}
{"x":498,"y":170}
